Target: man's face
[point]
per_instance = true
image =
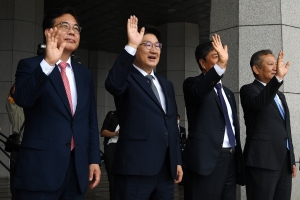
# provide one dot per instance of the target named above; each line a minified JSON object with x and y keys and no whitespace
{"x":210,"y":60}
{"x":71,"y":38}
{"x":266,"y":70}
{"x":147,"y":59}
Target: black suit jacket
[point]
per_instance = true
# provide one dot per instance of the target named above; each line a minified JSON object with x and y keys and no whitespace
{"x":207,"y":125}
{"x":265,"y":128}
{"x":147,"y":133}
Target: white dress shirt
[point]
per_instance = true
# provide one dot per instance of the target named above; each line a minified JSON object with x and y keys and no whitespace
{"x":47,"y":69}
{"x":132,"y":51}
{"x":226,"y":143}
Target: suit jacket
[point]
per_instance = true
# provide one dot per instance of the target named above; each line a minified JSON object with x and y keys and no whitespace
{"x":182,"y":135}
{"x":207,"y":125}
{"x":147,"y":133}
{"x":265,"y":128}
{"x":45,"y":150}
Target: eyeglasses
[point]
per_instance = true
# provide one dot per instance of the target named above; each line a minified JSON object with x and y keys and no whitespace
{"x":149,"y":45}
{"x":65,"y":26}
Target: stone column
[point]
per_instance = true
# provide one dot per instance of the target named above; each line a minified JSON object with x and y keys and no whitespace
{"x":20,"y":33}
{"x":100,"y":63}
{"x":249,"y":26}
{"x":177,"y":60}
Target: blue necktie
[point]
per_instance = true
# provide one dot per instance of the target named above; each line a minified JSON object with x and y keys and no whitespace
{"x":225,"y":113}
{"x":283,"y":117}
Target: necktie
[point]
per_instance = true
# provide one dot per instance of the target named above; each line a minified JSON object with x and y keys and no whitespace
{"x":154,"y":89}
{"x":65,"y":80}
{"x":283,"y":117}
{"x":225,"y":113}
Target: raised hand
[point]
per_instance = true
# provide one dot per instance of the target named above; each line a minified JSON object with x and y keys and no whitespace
{"x":134,"y":37}
{"x":281,"y":69}
{"x":222,"y":51}
{"x":53,"y":51}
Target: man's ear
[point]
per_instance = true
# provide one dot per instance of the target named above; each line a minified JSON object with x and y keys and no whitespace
{"x":202,"y":63}
{"x":255,"y":69}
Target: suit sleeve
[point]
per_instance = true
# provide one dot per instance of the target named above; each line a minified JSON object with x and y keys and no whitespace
{"x":197,"y":88}
{"x":30,"y":83}
{"x":252,"y":99}
{"x":94,"y":146}
{"x":115,"y":82}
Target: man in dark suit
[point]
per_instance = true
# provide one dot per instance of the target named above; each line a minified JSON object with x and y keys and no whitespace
{"x":212,"y":156}
{"x":147,"y":160}
{"x":268,"y":152}
{"x":59,"y":153}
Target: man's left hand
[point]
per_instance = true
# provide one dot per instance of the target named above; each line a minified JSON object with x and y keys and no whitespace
{"x":94,"y":176}
{"x":179,"y":174}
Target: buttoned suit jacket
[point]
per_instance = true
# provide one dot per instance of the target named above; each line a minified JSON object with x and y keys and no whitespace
{"x":146,"y":130}
{"x":44,"y":154}
{"x":206,"y":125}
{"x":266,"y":130}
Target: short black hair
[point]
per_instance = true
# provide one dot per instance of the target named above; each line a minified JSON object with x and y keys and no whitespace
{"x":202,"y":51}
{"x":54,"y":13}
{"x":178,"y":116}
{"x":256,"y":57}
{"x":153,"y":30}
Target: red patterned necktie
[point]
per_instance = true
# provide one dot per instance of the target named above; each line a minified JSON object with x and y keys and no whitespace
{"x":65,"y":80}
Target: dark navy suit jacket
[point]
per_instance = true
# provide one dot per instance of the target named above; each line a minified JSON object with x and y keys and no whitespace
{"x":45,"y":150}
{"x":266,"y":130}
{"x":147,"y":133}
{"x":207,"y":125}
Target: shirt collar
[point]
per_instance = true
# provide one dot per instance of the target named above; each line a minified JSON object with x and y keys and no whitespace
{"x":261,"y":82}
{"x":68,"y":61}
{"x":143,"y":72}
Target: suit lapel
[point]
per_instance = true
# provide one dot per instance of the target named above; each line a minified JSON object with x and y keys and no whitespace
{"x":261,"y":87}
{"x":58,"y":84}
{"x":142,"y":81}
{"x":79,"y":81}
{"x":163,"y":85}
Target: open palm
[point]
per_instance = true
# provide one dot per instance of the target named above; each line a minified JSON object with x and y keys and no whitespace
{"x":134,"y":37}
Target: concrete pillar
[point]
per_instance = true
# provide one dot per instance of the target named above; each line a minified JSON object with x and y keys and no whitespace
{"x":249,"y":26}
{"x":177,"y":60}
{"x":20,"y":33}
{"x":100,"y":63}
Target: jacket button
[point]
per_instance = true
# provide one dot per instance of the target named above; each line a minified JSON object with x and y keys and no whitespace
{"x":166,"y":117}
{"x":73,"y":123}
{"x":223,"y":129}
{"x":68,"y":144}
{"x":166,"y":133}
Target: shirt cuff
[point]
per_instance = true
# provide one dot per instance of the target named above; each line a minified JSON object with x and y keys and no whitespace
{"x":130,"y":50}
{"x":279,"y":81}
{"x":219,"y":70}
{"x":47,"y":69}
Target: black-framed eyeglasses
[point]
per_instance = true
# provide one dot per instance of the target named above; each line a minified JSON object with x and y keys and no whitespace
{"x":65,"y":26}
{"x":149,"y":45}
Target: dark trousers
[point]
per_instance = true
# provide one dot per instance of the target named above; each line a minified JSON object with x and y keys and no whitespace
{"x":69,"y":189}
{"x":263,"y":184}
{"x":109,"y":153}
{"x":219,"y":185}
{"x":157,"y":187}
{"x":12,"y":167}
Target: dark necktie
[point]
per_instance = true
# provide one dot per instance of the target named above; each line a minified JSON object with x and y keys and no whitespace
{"x":154,"y":89}
{"x":225,"y":113}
